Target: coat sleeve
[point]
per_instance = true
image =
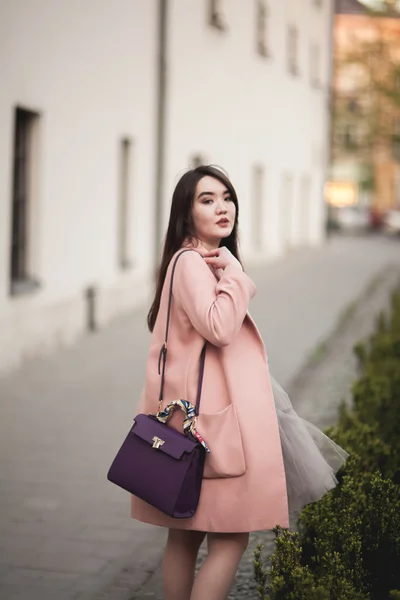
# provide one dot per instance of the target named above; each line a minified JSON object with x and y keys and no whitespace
{"x":216,"y":309}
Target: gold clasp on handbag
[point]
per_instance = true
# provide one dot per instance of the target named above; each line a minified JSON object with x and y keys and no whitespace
{"x":157,"y":442}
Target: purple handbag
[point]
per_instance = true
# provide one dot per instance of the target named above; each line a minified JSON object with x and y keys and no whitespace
{"x":157,"y":463}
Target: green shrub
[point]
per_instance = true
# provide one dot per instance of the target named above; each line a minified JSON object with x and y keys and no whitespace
{"x":291,"y":579}
{"x":348,"y":544}
{"x":360,"y":522}
{"x":376,"y":395}
{"x":368,"y":453}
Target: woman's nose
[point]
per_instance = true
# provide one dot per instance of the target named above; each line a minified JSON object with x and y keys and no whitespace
{"x":221,"y":207}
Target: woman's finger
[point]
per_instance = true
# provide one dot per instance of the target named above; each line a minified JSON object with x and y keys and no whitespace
{"x":213,"y":261}
{"x":211,"y":258}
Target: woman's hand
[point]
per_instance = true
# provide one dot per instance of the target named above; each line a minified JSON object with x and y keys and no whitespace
{"x":221,"y":258}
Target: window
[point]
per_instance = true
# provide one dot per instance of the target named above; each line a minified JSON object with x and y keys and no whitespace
{"x":124,"y":212}
{"x":257,"y":207}
{"x":286,"y":210}
{"x":292,"y":49}
{"x":25,"y":134}
{"x":216,"y":18}
{"x":315,"y":66}
{"x":305,"y":209}
{"x":262,"y":28}
{"x":350,"y":136}
{"x":349,"y":129}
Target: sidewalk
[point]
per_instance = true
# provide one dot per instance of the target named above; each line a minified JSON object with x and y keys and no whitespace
{"x":65,"y":532}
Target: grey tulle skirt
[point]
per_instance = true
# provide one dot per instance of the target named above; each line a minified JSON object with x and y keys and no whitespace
{"x":311,"y":459}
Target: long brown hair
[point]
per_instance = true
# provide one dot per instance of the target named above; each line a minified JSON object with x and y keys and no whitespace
{"x":181,"y":227}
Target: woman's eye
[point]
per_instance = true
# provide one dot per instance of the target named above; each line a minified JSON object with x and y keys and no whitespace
{"x":210,"y":200}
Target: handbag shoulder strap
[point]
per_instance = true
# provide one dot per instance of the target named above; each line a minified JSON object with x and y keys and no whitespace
{"x":163,"y":352}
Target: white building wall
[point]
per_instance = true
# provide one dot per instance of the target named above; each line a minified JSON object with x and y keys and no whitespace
{"x":90,"y":70}
{"x":239,"y":109}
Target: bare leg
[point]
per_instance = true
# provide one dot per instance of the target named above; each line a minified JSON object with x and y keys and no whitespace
{"x":216,"y":574}
{"x":179,"y":563}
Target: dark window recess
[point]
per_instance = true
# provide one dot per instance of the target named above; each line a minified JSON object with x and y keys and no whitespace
{"x":124,"y":259}
{"x":353,"y":106}
{"x":350,"y":137}
{"x":258,"y":207}
{"x":292,"y":49}
{"x":262,"y":28}
{"x":215,"y":14}
{"x":21,"y":279}
{"x":91,"y":308}
{"x":315,"y":65}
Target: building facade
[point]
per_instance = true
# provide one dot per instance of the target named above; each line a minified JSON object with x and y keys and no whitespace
{"x":103,"y":107}
{"x":366,"y":124}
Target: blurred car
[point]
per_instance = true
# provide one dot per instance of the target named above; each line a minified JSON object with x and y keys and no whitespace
{"x":353,"y":218}
{"x":391,"y":221}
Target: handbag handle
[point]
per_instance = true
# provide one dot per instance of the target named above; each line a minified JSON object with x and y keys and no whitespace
{"x":189,"y":423}
{"x":163,"y":351}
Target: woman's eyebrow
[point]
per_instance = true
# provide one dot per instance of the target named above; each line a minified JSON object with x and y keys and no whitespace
{"x":205,"y":194}
{"x":211,"y":193}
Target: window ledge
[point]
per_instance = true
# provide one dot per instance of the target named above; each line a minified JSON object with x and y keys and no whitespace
{"x":22,"y":287}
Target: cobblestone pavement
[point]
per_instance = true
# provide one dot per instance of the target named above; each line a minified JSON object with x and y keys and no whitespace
{"x":64,"y":530}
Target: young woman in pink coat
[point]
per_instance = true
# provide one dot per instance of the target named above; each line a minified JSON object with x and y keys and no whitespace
{"x":271,"y":461}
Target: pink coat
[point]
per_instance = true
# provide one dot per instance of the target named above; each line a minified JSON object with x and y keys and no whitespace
{"x":236,"y":371}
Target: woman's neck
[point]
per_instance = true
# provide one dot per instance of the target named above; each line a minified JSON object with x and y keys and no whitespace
{"x":208,"y":244}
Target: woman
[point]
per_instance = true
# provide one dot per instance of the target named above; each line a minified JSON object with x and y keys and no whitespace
{"x":211,"y":295}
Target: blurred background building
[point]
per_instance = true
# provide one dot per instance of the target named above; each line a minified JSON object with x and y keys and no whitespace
{"x":103,"y":106}
{"x":365,"y":168}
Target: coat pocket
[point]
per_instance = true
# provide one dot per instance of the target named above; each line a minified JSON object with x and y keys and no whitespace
{"x":222,"y":434}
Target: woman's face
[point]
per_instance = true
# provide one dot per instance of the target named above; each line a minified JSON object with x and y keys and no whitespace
{"x":213,"y":212}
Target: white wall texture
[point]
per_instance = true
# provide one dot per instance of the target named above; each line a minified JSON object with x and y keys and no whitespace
{"x":239,"y":109}
{"x":90,"y":70}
